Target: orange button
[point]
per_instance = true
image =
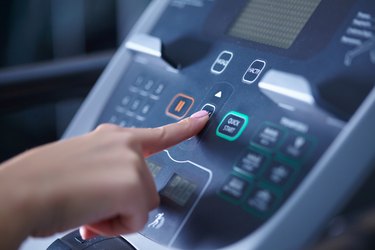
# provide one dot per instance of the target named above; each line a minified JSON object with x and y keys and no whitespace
{"x":179,"y":106}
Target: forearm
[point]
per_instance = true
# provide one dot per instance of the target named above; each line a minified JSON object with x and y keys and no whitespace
{"x":15,"y":209}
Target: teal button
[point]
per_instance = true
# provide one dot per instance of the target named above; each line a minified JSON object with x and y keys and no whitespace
{"x":232,"y":126}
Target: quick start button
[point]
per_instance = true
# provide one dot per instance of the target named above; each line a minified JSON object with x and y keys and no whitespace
{"x":232,"y":126}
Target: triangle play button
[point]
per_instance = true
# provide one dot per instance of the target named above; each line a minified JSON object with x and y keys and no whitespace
{"x":218,"y":94}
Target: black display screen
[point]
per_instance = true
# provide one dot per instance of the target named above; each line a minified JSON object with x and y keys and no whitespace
{"x":273,"y":22}
{"x":179,"y":190}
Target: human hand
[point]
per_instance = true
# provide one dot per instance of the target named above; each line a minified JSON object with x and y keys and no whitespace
{"x":99,"y":180}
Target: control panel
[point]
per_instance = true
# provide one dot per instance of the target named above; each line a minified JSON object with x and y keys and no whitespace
{"x":250,"y":157}
{"x":280,"y":81}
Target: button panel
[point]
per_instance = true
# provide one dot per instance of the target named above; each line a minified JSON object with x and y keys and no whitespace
{"x":267,"y":169}
{"x":263,"y":165}
{"x":137,"y":103}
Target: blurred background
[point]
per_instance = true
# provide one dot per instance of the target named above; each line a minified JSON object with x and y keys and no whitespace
{"x":51,"y":53}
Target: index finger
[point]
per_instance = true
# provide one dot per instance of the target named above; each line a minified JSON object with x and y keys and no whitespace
{"x":154,"y":140}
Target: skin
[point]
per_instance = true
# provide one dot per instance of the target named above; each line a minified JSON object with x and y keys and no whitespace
{"x":99,"y":180}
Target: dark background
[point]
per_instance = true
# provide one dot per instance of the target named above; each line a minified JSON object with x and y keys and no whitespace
{"x":51,"y":53}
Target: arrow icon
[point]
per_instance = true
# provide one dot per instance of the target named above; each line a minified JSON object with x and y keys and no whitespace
{"x":218,"y":94}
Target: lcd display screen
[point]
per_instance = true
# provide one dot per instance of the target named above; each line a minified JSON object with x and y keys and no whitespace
{"x":179,"y":190}
{"x":273,"y":22}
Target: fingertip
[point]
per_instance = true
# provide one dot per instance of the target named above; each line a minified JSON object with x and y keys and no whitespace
{"x":198,"y":120}
{"x":86,"y":233}
{"x":200,"y":114}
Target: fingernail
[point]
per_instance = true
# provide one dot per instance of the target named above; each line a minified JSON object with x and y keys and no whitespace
{"x":199,"y":114}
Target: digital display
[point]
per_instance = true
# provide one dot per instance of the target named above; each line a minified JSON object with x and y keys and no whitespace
{"x":179,"y":190}
{"x":273,"y":22}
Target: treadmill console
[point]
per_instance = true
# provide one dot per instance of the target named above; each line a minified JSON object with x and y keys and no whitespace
{"x":281,"y":79}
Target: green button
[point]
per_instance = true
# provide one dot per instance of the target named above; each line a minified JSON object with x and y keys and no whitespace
{"x":232,"y":126}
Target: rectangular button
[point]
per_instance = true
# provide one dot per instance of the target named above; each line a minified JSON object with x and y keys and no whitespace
{"x":296,"y":146}
{"x":209,"y":108}
{"x":159,"y":89}
{"x":269,"y":136}
{"x":234,"y":187}
{"x":135,"y":104}
{"x":253,"y":72}
{"x":179,"y":106}
{"x":221,"y":62}
{"x":250,"y":162}
{"x":279,"y":174}
{"x":261,"y":200}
